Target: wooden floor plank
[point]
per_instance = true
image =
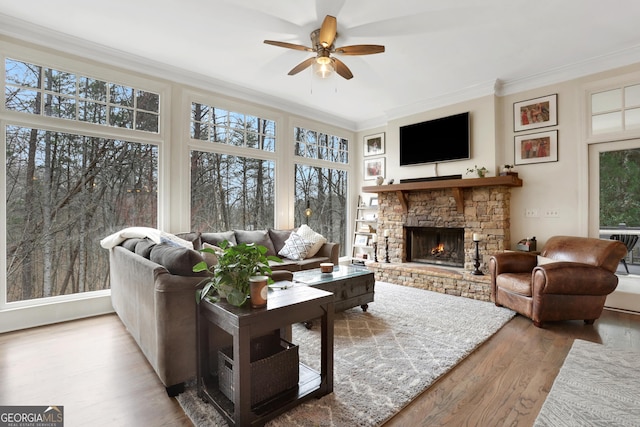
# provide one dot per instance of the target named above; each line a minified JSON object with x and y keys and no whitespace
{"x":94,"y":368}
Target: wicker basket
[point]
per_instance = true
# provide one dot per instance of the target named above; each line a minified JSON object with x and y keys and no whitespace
{"x":274,"y":368}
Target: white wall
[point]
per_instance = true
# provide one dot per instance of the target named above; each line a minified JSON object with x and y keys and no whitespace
{"x":560,"y":186}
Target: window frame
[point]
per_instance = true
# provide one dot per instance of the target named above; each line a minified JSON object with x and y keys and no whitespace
{"x":603,"y":86}
{"x":63,"y":307}
{"x":348,"y":167}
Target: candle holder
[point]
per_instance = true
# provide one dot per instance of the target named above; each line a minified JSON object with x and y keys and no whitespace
{"x":476,"y":263}
{"x":386,"y":249}
{"x":375,"y":251}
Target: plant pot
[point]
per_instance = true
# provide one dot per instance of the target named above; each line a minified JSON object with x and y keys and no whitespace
{"x":223,"y":290}
{"x":258,"y":290}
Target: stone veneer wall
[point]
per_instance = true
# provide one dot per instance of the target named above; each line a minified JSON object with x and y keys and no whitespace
{"x":486,"y":212}
{"x":452,"y":281}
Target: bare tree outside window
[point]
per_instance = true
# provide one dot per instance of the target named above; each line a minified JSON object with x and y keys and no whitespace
{"x":230,"y":192}
{"x":322,"y":189}
{"x":64,"y":193}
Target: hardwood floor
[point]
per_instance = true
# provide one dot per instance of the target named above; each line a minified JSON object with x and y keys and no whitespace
{"x":506,"y":380}
{"x":95,"y":369}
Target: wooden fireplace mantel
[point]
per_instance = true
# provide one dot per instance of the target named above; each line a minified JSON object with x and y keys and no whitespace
{"x":456,"y":185}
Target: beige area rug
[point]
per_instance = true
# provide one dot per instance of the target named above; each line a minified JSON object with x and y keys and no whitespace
{"x":596,"y":386}
{"x":382,"y":358}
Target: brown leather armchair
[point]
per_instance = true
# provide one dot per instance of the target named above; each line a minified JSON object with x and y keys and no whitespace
{"x":570,"y":280}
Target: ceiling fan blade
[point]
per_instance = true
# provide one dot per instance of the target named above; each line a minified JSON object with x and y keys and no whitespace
{"x":301,"y":66}
{"x":288,"y":45}
{"x":360,"y":49}
{"x":342,"y":69}
{"x":328,"y":31}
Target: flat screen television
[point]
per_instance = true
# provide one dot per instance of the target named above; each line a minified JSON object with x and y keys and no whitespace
{"x":439,"y":140}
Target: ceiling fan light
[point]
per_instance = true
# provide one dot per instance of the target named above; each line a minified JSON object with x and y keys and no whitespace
{"x":323,"y":60}
{"x":323,"y":70}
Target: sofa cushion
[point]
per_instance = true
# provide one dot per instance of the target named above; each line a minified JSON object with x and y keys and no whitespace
{"x":173,"y":240}
{"x":286,"y":264}
{"x":193,"y":237}
{"x":259,"y":237}
{"x":208,"y":257}
{"x":144,"y":246}
{"x":517,"y":283}
{"x":278,"y":237}
{"x":217,"y":238}
{"x":130,"y":244}
{"x":295,"y":247}
{"x":178,"y":260}
{"x":316,"y":238}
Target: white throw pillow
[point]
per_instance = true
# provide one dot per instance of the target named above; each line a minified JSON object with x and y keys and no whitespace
{"x":542,"y":260}
{"x":156,"y":236}
{"x":174,"y":240}
{"x":295,"y":247}
{"x":316,"y":239}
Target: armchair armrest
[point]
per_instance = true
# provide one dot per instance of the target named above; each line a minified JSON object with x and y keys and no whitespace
{"x":572,"y":278}
{"x":512,"y":262}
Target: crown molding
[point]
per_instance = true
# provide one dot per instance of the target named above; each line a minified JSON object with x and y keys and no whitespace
{"x":28,"y":32}
{"x":610,"y":61}
{"x":72,"y":45}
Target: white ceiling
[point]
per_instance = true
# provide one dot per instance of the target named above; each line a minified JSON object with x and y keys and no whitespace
{"x":437,"y":51}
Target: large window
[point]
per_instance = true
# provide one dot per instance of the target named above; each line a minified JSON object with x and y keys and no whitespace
{"x":317,"y":145}
{"x":67,"y":189}
{"x":615,"y":110}
{"x":230,"y":191}
{"x":213,"y":124}
{"x":64,"y":193}
{"x":321,"y":185}
{"x":36,"y":89}
{"x":620,"y":188}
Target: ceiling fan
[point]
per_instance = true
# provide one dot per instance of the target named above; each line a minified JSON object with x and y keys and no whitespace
{"x":322,"y":41}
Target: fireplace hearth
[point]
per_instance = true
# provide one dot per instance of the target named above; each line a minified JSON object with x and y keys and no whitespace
{"x":435,"y":245}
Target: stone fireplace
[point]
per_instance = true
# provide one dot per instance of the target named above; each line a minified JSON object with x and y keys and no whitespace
{"x":468,"y":206}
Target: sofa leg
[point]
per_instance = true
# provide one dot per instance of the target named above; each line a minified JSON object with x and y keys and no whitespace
{"x":589,"y":321}
{"x":538,"y":324}
{"x":498,"y":305}
{"x":175,"y":389}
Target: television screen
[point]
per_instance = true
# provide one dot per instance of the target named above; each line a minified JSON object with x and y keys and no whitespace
{"x":438,"y":140}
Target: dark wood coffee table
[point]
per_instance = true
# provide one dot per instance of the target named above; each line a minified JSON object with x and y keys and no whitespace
{"x":351,"y":285}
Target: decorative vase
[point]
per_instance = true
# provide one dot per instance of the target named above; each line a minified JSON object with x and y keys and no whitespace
{"x":258,"y":290}
{"x":326,"y":267}
{"x":379,"y":180}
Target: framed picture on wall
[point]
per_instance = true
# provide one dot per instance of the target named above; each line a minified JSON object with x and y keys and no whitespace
{"x":374,"y":168}
{"x":374,"y":144}
{"x":535,"y":113}
{"x":541,"y":147}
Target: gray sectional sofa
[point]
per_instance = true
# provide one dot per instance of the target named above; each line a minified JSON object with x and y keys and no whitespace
{"x":153,"y":292}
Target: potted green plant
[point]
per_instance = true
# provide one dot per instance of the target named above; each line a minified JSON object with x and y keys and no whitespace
{"x":229,"y":277}
{"x":480,"y":171}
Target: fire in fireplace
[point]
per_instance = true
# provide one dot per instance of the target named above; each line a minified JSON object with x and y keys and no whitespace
{"x":435,"y":245}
